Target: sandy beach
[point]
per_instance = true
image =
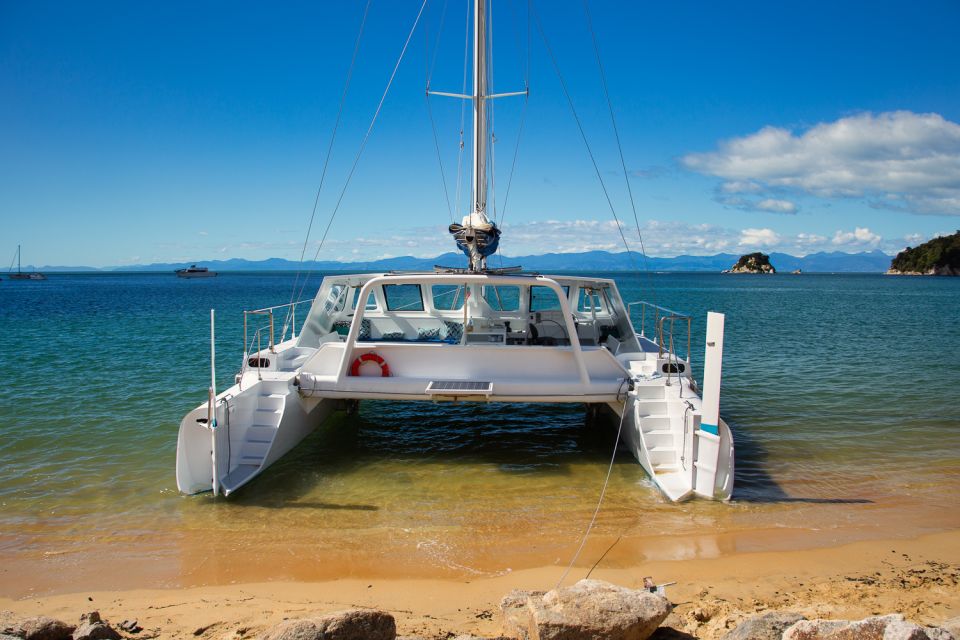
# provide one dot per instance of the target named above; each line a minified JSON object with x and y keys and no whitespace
{"x":918,"y":577}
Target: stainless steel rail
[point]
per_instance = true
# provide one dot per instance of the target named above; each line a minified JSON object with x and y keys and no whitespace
{"x":664,"y":338}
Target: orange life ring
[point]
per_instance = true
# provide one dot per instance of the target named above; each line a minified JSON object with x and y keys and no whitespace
{"x":370,"y":357}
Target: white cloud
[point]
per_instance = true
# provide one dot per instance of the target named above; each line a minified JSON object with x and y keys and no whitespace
{"x":859,"y":237}
{"x":896,"y":160}
{"x":759,"y":238}
{"x":777,"y":206}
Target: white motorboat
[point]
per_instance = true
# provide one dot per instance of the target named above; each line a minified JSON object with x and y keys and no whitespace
{"x":193,"y":271}
{"x":471,"y":334}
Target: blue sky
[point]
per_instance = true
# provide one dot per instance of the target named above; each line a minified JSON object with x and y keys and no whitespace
{"x":137,"y":133}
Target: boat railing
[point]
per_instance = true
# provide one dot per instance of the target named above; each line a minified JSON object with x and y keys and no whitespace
{"x":663,"y":323}
{"x":290,"y":320}
{"x":252,"y":363}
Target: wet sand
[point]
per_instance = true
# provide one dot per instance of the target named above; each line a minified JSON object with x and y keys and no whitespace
{"x":919,"y":577}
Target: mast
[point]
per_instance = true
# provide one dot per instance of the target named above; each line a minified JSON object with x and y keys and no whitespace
{"x":480,"y":110}
{"x":18,"y":258}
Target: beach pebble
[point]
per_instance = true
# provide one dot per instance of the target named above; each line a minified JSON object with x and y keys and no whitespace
{"x":768,"y":626}
{"x":353,"y":624}
{"x":40,"y":628}
{"x":889,"y":627}
{"x":588,"y":609}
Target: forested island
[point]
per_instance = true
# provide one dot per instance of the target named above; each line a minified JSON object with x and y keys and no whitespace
{"x":752,"y":263}
{"x":937,"y":257}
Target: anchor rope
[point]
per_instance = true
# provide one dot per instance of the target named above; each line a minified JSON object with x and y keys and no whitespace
{"x":596,"y":512}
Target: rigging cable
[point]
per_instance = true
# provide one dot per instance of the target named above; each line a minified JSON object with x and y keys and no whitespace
{"x":583,"y":135}
{"x":616,"y":133}
{"x":326,"y":163}
{"x":463,"y":107}
{"x":433,"y":125}
{"x":366,"y":137}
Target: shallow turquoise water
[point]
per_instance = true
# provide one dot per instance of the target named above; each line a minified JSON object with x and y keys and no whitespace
{"x":841,"y":391}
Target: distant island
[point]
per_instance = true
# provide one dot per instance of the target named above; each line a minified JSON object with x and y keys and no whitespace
{"x":752,"y":263}
{"x":937,"y":257}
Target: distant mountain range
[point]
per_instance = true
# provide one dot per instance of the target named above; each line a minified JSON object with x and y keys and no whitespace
{"x":823,"y":262}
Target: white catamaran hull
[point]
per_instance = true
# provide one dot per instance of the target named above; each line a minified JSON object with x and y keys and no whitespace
{"x":293,"y":387}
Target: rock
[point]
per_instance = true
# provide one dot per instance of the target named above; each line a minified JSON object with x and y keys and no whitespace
{"x":768,"y":626}
{"x":752,"y":263}
{"x":353,"y":624}
{"x":701,"y":615}
{"x":130,"y":626}
{"x":952,"y":626}
{"x":588,"y":610}
{"x":93,"y":628}
{"x":40,"y":628}
{"x":889,"y":627}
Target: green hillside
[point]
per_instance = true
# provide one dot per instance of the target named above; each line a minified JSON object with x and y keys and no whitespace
{"x":940,"y":256}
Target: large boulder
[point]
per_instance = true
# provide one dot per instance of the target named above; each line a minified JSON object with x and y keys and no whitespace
{"x":767,"y":626}
{"x":353,"y":624}
{"x":588,"y":610}
{"x":40,"y":628}
{"x":889,"y":627}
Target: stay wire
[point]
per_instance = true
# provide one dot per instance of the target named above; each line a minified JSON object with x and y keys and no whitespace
{"x":463,"y":107}
{"x":326,"y":162}
{"x":436,"y":144}
{"x":366,"y":136}
{"x":583,"y":134}
{"x":616,"y":133}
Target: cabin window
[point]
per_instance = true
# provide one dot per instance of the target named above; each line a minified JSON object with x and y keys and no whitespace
{"x":545,"y":298}
{"x":403,"y":297}
{"x":447,"y":297}
{"x":502,"y":298}
{"x":335,"y":299}
{"x":371,"y":301}
{"x":589,"y":301}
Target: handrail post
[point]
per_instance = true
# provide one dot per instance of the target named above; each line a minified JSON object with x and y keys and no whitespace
{"x":271,"y":331}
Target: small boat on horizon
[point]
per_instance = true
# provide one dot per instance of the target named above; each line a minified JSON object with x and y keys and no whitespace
{"x":193,"y":271}
{"x":20,"y":275}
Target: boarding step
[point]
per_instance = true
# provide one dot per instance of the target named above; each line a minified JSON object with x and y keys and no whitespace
{"x":661,"y":455}
{"x":267,"y":417}
{"x":651,"y":407}
{"x":260,"y":433}
{"x":649,"y":391}
{"x":670,"y":467}
{"x":270,"y":401}
{"x":655,"y":423}
{"x":459,"y":388}
{"x":675,"y":485}
{"x":658,"y":438}
{"x":238,"y":477}
{"x":254,"y":452}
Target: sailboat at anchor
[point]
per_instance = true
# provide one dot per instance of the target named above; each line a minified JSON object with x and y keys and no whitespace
{"x":473,"y":334}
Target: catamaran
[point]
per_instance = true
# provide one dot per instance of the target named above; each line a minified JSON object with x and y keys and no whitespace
{"x":471,"y":334}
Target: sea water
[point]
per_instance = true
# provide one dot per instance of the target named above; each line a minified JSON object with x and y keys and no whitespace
{"x":841,"y":391}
